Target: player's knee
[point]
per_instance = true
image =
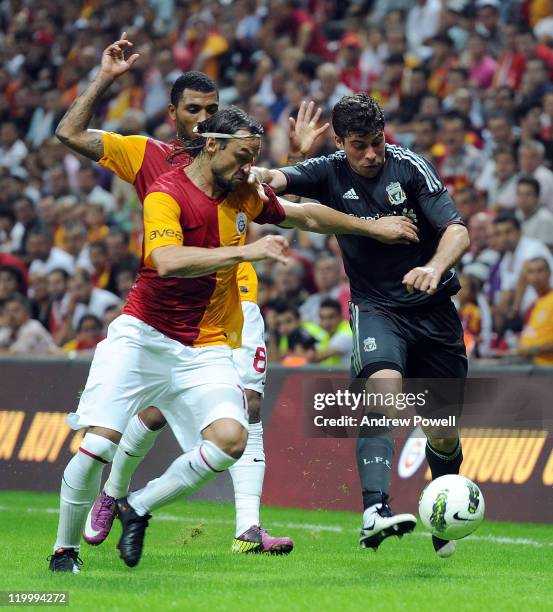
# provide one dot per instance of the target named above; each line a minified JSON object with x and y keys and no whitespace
{"x":443,"y":444}
{"x":229,"y":435}
{"x":254,"y":405}
{"x":235,"y":442}
{"x":152,"y":418}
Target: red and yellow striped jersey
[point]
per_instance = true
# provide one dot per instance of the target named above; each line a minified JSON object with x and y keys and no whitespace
{"x":140,"y":160}
{"x":200,"y":311}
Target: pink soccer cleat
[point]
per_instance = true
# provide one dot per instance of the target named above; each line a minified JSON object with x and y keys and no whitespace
{"x":257,"y":540}
{"x":99,"y":520}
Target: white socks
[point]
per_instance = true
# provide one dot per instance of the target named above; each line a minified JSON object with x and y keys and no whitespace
{"x":183,"y":477}
{"x":247,"y":477}
{"x":80,"y":486}
{"x":135,"y":444}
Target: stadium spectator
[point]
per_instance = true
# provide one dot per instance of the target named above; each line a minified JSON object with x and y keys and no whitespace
{"x":21,"y":334}
{"x":531,"y":163}
{"x":488,"y":24}
{"x":499,"y":132}
{"x":45,"y":118}
{"x":510,"y":63}
{"x":301,"y":349}
{"x":536,"y":221}
{"x":462,"y":162}
{"x":328,"y":89}
{"x":480,"y":64}
{"x":95,"y":220}
{"x":90,"y":190}
{"x":529,"y":120}
{"x":336,"y":347}
{"x":287,"y":320}
{"x":475,"y":314}
{"x":529,"y":47}
{"x":101,"y":268}
{"x":43,"y":255}
{"x":89,"y":333}
{"x":468,"y":201}
{"x":40,"y":299}
{"x":284,"y":19}
{"x":426,"y":132}
{"x":74,"y":240}
{"x":515,"y":295}
{"x":27,"y":220}
{"x":481,"y":251}
{"x":58,"y":280}
{"x":289,"y":281}
{"x":327,"y":280}
{"x":442,"y":60}
{"x":12,"y":148}
{"x":536,"y":340}
{"x":11,"y":282}
{"x":124,"y":280}
{"x":83,"y":298}
{"x":499,"y":179}
{"x":422,"y":23}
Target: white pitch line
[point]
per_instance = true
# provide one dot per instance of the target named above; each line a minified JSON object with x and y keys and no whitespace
{"x":308,"y":527}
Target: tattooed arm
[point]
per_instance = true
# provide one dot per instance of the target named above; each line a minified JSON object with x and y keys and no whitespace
{"x":73,"y":128}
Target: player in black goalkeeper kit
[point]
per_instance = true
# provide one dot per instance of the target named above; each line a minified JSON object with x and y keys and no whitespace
{"x":402,"y":316}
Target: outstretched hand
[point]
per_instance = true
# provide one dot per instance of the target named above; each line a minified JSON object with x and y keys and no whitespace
{"x":114,"y":63}
{"x":303,"y":130}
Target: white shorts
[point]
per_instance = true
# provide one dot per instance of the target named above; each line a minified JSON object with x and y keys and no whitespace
{"x":137,"y":366}
{"x":251,"y":358}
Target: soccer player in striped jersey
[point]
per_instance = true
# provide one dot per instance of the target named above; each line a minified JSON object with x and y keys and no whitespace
{"x":140,"y":160}
{"x":403,"y":319}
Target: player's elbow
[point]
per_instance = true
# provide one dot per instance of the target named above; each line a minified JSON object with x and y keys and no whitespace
{"x":464,"y":237}
{"x":461,"y":235}
{"x":62,"y":135}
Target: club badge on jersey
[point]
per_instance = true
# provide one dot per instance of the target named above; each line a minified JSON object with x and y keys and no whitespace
{"x":396,"y":195}
{"x":241,"y":222}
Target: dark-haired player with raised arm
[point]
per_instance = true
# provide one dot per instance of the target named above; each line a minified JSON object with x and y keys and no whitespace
{"x":403,"y":319}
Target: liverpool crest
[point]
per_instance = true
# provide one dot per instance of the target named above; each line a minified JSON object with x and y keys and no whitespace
{"x":396,"y":195}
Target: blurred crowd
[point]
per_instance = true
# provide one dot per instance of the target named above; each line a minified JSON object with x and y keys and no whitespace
{"x":465,"y":83}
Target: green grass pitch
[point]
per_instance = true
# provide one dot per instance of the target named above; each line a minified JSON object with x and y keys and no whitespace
{"x":187,"y":564}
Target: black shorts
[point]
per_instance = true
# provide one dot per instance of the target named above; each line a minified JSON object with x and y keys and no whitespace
{"x":421,"y":344}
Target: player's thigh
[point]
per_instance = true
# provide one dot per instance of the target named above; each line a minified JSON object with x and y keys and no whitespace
{"x":439,"y":350}
{"x":209,"y":390}
{"x":440,"y":356}
{"x":378,"y":342}
{"x":251,"y":358}
{"x":128,"y":371}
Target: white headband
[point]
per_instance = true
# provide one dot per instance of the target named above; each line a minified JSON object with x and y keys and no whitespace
{"x":220,"y":135}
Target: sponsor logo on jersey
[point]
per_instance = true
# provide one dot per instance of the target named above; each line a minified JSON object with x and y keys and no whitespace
{"x":165,"y":233}
{"x":369,"y":344}
{"x":396,"y":195}
{"x":241,"y":222}
{"x":350,"y":195}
